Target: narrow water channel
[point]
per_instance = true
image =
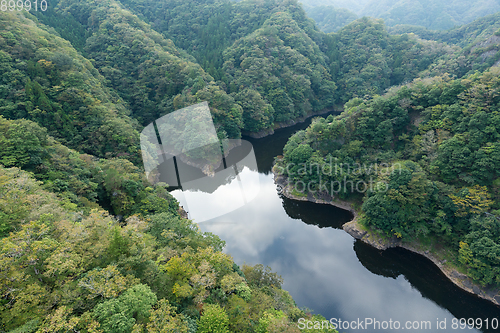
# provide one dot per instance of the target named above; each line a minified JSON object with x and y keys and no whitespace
{"x":329,"y":272}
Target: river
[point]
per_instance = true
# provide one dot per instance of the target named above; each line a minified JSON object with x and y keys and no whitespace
{"x":329,"y":272}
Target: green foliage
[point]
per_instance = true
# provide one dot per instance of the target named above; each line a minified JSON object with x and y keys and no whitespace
{"x":259,"y":276}
{"x":430,"y":151}
{"x":106,"y":283}
{"x":118,"y":245}
{"x":403,"y":209}
{"x":116,"y":184}
{"x":213,"y":26}
{"x":107,"y":277}
{"x":366,"y":60}
{"x":259,"y":63}
{"x":181,"y":234}
{"x":283,"y":65}
{"x":30,"y":327}
{"x":329,"y":18}
{"x":301,"y":154}
{"x":213,"y":320}
{"x":47,"y":81}
{"x":69,"y":265}
{"x":268,"y":319}
{"x":218,"y":33}
{"x":146,"y":69}
{"x":243,"y":291}
{"x":163,"y":318}
{"x":22,"y":143}
{"x":481,"y":250}
{"x":120,"y":314}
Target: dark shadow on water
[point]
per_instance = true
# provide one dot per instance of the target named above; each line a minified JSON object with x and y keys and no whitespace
{"x":427,"y":278}
{"x":323,"y":216}
{"x":420,"y":272}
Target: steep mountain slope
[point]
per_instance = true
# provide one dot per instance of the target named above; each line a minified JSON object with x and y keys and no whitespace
{"x":365,"y":59}
{"x":431,"y":14}
{"x":267,"y":94}
{"x":272,"y":64}
{"x":86,"y":244}
{"x":64,"y":269}
{"x":205,"y":28}
{"x":83,"y":181}
{"x":147,"y":70}
{"x":479,"y":44}
{"x":282,"y":65}
{"x":46,"y":80}
{"x":329,"y":18}
{"x":424,"y":160}
{"x":210,"y":28}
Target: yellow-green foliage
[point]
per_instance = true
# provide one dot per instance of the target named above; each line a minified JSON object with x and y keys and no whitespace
{"x":64,"y":269}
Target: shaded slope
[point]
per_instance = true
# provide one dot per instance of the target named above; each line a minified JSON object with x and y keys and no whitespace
{"x":46,"y":80}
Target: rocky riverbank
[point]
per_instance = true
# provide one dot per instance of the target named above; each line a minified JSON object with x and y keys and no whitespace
{"x":381,"y":242}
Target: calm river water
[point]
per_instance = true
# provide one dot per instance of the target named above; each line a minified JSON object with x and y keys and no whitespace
{"x":328,"y":271}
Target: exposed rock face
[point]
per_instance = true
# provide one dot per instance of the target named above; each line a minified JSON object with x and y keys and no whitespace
{"x":353,"y":229}
{"x":458,"y":275}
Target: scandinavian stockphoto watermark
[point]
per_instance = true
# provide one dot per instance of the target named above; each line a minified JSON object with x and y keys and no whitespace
{"x":332,"y":177}
{"x":183,"y":149}
{"x":372,"y":324}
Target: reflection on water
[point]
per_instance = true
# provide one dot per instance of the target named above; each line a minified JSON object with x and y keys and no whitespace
{"x":423,"y":275}
{"x":233,"y":184}
{"x":326,"y":270}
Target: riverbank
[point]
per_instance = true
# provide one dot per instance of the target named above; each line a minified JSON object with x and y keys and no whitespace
{"x":440,"y":257}
{"x":279,"y":125}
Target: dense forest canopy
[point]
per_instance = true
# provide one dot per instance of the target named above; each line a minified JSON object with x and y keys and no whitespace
{"x":46,"y":80}
{"x":88,"y":244}
{"x":329,"y":18}
{"x":133,"y":42}
{"x":432,"y":149}
{"x":431,"y":14}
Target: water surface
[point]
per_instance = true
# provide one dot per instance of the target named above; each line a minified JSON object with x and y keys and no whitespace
{"x":328,"y":271}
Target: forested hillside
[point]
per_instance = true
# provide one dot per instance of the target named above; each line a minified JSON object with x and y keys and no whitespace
{"x":431,"y":14}
{"x":329,"y":18}
{"x":216,"y":31}
{"x":256,"y":63}
{"x":67,"y":270}
{"x":430,"y":151}
{"x":479,"y":44}
{"x":278,"y":64}
{"x":146,"y":69}
{"x":366,"y":60}
{"x":87,"y":244}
